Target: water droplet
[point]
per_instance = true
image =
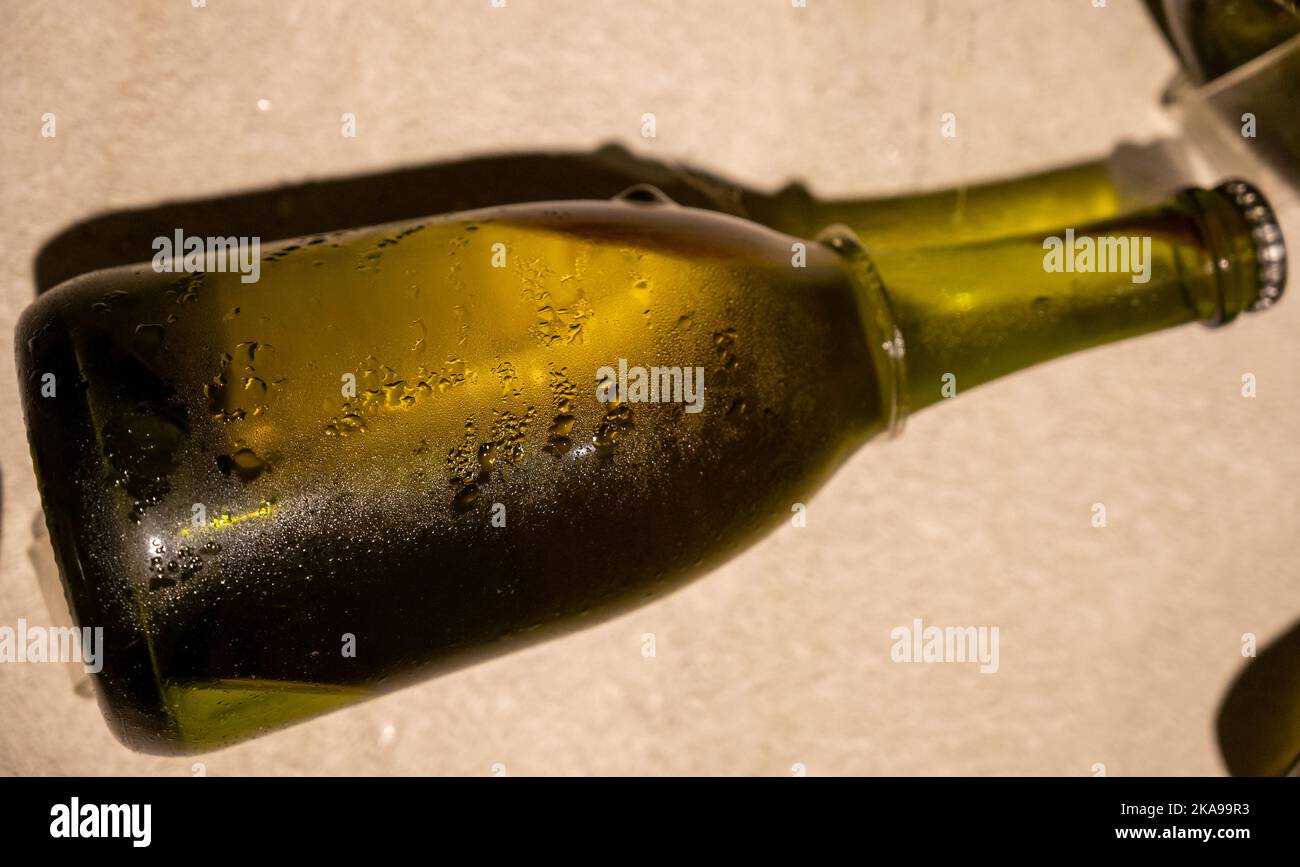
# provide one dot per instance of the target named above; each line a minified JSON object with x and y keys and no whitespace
{"x":150,"y":335}
{"x":563,"y":425}
{"x":644,"y":194}
{"x":244,"y":463}
{"x":465,"y":498}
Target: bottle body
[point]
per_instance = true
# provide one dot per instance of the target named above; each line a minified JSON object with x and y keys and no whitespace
{"x":388,"y":457}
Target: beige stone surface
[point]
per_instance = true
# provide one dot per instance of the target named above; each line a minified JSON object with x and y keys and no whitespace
{"x":1117,"y":644}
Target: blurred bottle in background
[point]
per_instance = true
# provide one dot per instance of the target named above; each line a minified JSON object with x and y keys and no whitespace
{"x":1214,"y":37}
{"x":1239,"y":106}
{"x":1238,"y":101}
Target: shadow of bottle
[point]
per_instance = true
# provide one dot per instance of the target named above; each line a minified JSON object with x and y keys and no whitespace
{"x":316,"y":207}
{"x":1259,"y":720}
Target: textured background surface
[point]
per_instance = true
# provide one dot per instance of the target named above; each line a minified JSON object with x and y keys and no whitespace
{"x":1117,"y":644}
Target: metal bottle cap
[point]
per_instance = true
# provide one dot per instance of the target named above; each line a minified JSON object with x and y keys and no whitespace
{"x":1270,"y":251}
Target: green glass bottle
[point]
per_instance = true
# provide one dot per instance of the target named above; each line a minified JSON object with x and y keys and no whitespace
{"x":1130,"y":177}
{"x":1258,"y":724}
{"x":1242,"y":63}
{"x":406,"y":448}
{"x":1214,"y":37}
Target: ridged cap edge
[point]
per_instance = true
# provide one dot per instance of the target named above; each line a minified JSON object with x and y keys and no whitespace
{"x":1270,"y":250}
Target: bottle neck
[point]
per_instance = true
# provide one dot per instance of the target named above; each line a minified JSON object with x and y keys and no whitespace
{"x":970,"y":314}
{"x":1132,"y":176}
